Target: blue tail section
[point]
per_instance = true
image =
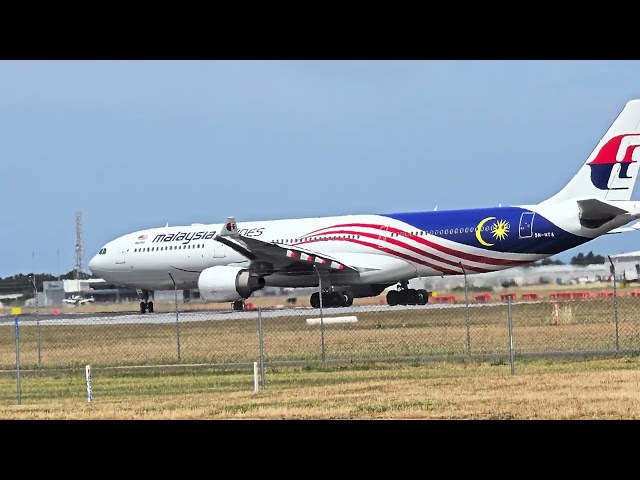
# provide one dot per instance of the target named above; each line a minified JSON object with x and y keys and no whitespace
{"x":504,"y":229}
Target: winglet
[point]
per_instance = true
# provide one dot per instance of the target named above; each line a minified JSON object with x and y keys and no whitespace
{"x":229,"y":228}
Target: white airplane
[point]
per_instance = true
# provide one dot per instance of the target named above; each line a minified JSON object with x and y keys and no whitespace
{"x":78,"y":300}
{"x":361,"y":255}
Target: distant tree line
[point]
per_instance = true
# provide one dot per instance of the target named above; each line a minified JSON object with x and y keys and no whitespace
{"x":580,"y":259}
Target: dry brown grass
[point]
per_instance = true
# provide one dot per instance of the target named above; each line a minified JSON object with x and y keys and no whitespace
{"x":584,"y":325}
{"x":589,"y":389}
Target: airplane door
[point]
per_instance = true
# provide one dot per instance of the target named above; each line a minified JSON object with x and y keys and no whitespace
{"x":526,"y":225}
{"x":120,"y":256}
{"x":219,"y":250}
{"x":383,"y":236}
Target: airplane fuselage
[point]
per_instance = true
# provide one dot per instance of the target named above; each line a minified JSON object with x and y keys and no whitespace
{"x":397,"y":246}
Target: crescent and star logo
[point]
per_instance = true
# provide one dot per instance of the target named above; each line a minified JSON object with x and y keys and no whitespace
{"x":499,"y":230}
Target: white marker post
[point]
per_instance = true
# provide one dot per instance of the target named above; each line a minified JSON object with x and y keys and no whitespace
{"x":88,"y":377}
{"x":255,"y":377}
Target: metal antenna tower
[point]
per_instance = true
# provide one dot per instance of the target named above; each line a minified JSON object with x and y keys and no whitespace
{"x":78,"y":267}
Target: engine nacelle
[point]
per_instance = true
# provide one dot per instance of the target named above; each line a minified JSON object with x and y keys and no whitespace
{"x":228,"y":284}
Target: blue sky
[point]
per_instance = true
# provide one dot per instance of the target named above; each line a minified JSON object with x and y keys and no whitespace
{"x":137,"y":144}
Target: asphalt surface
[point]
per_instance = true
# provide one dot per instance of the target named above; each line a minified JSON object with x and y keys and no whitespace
{"x":209,"y":315}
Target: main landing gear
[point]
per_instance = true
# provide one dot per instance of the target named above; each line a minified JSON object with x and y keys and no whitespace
{"x":407,"y":296}
{"x":332,"y":299}
{"x":237,"y":306}
{"x":145,"y":305}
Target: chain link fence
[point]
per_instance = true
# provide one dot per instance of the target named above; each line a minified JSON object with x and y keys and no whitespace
{"x":475,"y":326}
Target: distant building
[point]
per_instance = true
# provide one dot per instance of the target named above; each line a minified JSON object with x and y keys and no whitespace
{"x":627,"y":265}
{"x":9,"y":298}
{"x":55,"y":292}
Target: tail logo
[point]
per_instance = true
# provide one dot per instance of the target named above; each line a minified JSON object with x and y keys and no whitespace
{"x":617,"y":151}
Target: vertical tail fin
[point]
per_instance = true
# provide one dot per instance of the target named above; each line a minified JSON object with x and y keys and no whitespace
{"x":611,"y":170}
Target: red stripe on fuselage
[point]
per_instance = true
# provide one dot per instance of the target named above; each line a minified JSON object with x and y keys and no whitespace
{"x":456,"y":253}
{"x":406,"y":246}
{"x":391,"y":252}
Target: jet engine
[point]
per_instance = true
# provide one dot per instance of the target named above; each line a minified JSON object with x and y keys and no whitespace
{"x":228,"y":284}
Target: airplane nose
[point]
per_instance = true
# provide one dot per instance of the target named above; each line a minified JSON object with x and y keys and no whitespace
{"x":93,"y":263}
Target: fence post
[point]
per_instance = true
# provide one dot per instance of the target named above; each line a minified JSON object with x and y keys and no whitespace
{"x":175,"y":291}
{"x":18,"y":382}
{"x":615,"y":300}
{"x":261,"y":343}
{"x":466,"y":309}
{"x":35,"y":289}
{"x":321,"y":316}
{"x":87,"y":376}
{"x":511,"y":349}
{"x":255,"y":377}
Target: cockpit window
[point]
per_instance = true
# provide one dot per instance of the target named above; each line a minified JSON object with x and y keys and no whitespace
{"x":102,"y":251}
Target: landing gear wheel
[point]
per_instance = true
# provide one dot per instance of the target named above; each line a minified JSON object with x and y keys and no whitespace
{"x":326,"y":300}
{"x":403,"y":297}
{"x":423,"y":296}
{"x":393,"y":298}
{"x":315,"y":300}
{"x":413,"y":297}
{"x":143,"y":307}
{"x":238,"y":305}
{"x":337,"y":299}
{"x":348,"y":299}
{"x":150,"y":307}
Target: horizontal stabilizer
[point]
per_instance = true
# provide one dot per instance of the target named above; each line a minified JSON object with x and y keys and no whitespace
{"x":594,"y":213}
{"x":593,"y":208}
{"x":633,"y":228}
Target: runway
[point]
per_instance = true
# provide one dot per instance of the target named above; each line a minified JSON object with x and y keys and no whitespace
{"x":218,"y":315}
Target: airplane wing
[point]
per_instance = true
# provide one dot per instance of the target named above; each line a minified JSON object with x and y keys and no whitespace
{"x":282,"y":258}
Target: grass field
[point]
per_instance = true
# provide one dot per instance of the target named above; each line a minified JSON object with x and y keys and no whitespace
{"x":540,"y":389}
